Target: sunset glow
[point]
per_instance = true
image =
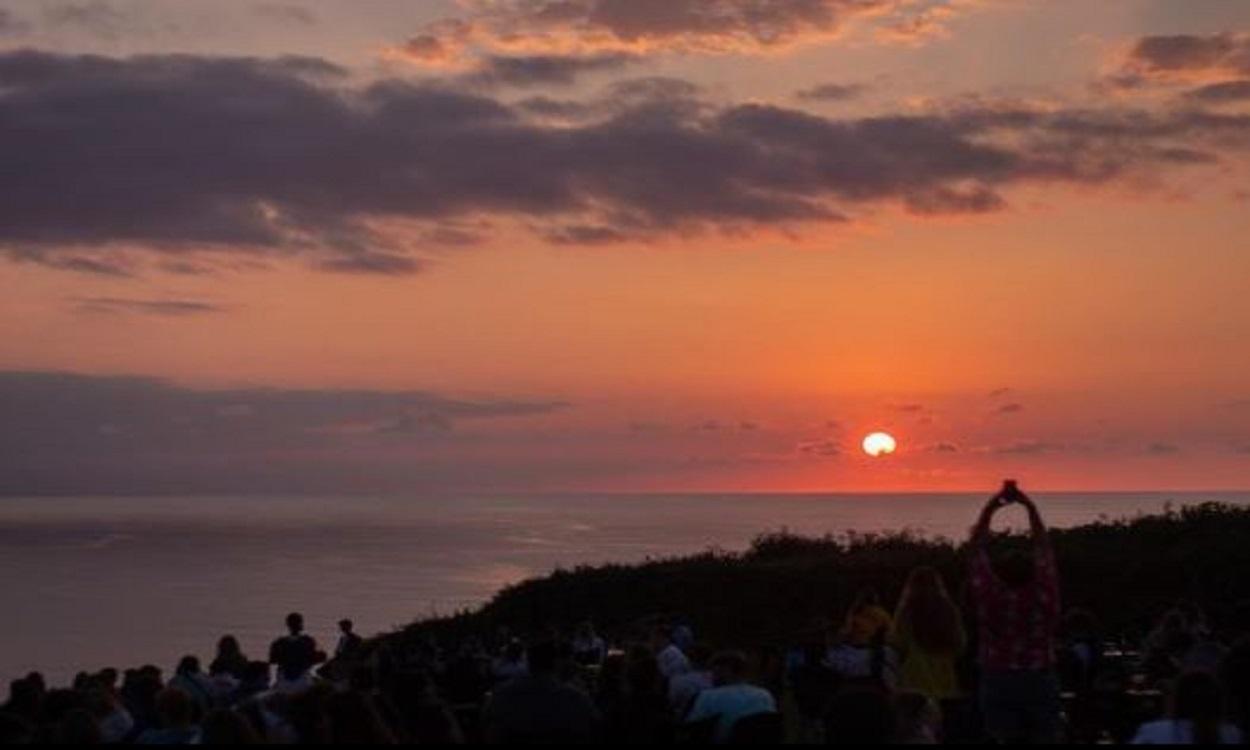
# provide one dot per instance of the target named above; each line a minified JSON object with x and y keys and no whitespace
{"x":473,"y":247}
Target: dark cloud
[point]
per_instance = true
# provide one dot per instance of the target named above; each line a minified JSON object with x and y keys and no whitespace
{"x":943,"y":448}
{"x":66,"y":430}
{"x":273,"y":158}
{"x":1012,"y":408}
{"x":1227,"y":91}
{"x":1162,"y":449}
{"x":548,"y":70}
{"x":820,"y":448}
{"x":832,"y":92}
{"x":161,"y":307}
{"x":1192,"y":53}
{"x":999,"y":392}
{"x":680,"y":26}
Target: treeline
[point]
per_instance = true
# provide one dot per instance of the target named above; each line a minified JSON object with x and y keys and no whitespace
{"x":787,"y":588}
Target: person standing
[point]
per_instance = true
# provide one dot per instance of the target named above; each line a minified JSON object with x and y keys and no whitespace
{"x":1016,"y":600}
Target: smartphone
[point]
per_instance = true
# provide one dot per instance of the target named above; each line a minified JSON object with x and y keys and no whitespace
{"x":1010,"y":490}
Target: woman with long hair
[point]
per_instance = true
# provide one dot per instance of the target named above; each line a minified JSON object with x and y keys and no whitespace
{"x":928,"y":636}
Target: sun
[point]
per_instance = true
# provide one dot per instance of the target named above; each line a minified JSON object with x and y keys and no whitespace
{"x":879,"y":444}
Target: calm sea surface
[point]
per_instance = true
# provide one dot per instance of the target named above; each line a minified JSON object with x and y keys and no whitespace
{"x":89,"y":582}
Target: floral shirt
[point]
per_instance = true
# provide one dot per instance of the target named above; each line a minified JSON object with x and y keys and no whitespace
{"x":1016,"y":626}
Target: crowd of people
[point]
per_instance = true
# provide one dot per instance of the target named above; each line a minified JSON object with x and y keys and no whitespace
{"x":1002,"y":663}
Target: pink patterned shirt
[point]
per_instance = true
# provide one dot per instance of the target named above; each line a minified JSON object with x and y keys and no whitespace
{"x":1017,"y":626}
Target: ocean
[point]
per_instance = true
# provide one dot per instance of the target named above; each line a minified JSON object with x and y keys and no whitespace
{"x":90,"y":582}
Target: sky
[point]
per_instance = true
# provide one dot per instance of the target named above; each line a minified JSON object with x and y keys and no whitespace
{"x":623,"y":246}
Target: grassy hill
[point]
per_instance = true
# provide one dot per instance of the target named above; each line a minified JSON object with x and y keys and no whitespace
{"x":784,"y":587}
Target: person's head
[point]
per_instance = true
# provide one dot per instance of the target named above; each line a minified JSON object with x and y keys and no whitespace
{"x":226,"y":727}
{"x":175,"y":708}
{"x":1015,"y":568}
{"x":926,"y":611}
{"x":1197,"y":697}
{"x":188,"y":665}
{"x":228,"y":647}
{"x":729,"y":668}
{"x":918,"y":717}
{"x":345,"y":626}
{"x":295,"y":623}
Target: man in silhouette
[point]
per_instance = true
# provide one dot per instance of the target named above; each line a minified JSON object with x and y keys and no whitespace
{"x":539,"y":707}
{"x":1016,"y":598}
{"x":294,"y":654}
{"x":349,"y":644}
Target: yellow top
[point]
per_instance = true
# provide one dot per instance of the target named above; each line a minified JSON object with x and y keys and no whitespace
{"x":931,"y":673}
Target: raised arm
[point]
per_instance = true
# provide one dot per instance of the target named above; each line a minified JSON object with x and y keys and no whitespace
{"x":1037,"y":529}
{"x":981,"y":531}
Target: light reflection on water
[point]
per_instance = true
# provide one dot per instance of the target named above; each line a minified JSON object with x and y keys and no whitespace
{"x":119,"y":581}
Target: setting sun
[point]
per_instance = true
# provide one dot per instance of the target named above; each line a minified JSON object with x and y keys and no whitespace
{"x":879,"y":444}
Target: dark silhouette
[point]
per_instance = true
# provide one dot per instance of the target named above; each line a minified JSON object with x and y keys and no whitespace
{"x":1016,"y":598}
{"x":294,"y":654}
{"x":539,"y":707}
{"x":229,"y":659}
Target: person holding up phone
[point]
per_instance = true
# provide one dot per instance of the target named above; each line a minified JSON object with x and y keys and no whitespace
{"x":1016,"y":601}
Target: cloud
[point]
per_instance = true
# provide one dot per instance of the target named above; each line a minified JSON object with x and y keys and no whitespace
{"x":819,"y":448}
{"x":279,"y":158}
{"x":160,"y":307}
{"x":1162,"y":449}
{"x":64,"y":429}
{"x":676,"y":26}
{"x":943,"y":448}
{"x":537,"y":70}
{"x":831,"y":92}
{"x":1184,"y":58}
{"x":1012,"y":408}
{"x":1227,"y":91}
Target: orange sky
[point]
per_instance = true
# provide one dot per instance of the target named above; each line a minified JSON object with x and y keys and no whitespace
{"x":1076,"y":333}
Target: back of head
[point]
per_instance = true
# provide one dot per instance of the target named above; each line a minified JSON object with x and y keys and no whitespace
{"x":188,"y":665}
{"x":1198,"y":698}
{"x":295,"y":623}
{"x":228,"y":646}
{"x":346,"y":625}
{"x":926,"y":611}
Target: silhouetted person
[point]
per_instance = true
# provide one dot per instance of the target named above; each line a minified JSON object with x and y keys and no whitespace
{"x":538,"y":707}
{"x":350,"y":645}
{"x":685,"y":687}
{"x":640,"y":713}
{"x":1017,"y":610}
{"x":294,"y":654}
{"x":668,"y":654}
{"x":588,"y":648}
{"x":1195,"y":716}
{"x":732,"y":697}
{"x":229,"y":659}
{"x":928,"y":636}
{"x":189,"y":679}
